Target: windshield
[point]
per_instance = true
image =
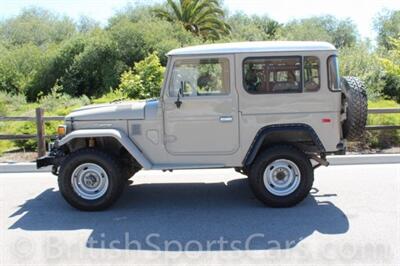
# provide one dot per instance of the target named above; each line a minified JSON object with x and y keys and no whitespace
{"x":333,"y":73}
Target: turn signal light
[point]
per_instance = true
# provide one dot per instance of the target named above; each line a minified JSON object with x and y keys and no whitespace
{"x":61,"y":130}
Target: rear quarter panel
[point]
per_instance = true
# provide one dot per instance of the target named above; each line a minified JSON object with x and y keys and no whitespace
{"x":259,"y":110}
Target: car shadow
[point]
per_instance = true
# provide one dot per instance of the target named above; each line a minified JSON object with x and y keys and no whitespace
{"x":187,"y":216}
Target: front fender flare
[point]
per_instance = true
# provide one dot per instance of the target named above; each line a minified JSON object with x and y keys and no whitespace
{"x":120,"y":136}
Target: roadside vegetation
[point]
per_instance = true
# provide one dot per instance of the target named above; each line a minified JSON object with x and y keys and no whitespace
{"x":52,"y":61}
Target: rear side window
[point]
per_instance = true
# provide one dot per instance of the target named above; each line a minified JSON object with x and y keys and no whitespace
{"x":333,"y":73}
{"x":272,"y":75}
{"x":312,"y":80}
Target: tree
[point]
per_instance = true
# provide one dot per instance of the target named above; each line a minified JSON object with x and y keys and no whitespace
{"x":85,"y":65}
{"x":341,"y":33}
{"x":255,"y":28}
{"x":136,"y":39}
{"x":387,"y":25}
{"x":86,"y":24}
{"x":18,"y":67}
{"x":201,"y":17}
{"x":37,"y":26}
{"x":94,"y":70}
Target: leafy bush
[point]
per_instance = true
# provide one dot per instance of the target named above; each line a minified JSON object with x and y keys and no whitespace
{"x":30,"y":128}
{"x":391,"y":64}
{"x":359,"y":61}
{"x":55,"y":103}
{"x":11,"y":103}
{"x":111,"y":96}
{"x":145,"y":80}
{"x":59,"y":103}
{"x":391,"y":90}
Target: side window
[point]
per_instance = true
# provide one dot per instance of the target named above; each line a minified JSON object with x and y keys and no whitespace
{"x":333,"y":73}
{"x":200,"y":77}
{"x":312,"y":80}
{"x":272,"y":75}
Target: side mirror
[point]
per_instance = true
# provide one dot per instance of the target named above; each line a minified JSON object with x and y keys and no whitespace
{"x":178,"y":101}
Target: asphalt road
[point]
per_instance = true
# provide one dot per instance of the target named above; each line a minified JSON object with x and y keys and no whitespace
{"x":206,"y":217}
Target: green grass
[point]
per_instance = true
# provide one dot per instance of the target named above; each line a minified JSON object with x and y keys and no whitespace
{"x":383,"y":104}
{"x":383,"y":119}
{"x":382,"y":139}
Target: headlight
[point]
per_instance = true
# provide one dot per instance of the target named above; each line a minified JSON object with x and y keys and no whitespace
{"x":61,"y":130}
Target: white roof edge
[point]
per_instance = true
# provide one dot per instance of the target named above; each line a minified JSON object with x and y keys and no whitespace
{"x":253,"y":47}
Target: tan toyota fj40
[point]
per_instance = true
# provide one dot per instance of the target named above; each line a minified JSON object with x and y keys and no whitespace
{"x":270,"y":110}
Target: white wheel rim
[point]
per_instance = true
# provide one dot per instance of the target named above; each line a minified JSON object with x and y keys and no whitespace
{"x":281,"y":177}
{"x":89,"y":181}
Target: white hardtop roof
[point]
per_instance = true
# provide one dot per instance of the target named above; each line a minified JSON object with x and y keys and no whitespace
{"x":253,"y":47}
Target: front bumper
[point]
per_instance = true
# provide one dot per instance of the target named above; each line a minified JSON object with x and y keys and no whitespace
{"x":45,"y":161}
{"x":54,"y":157}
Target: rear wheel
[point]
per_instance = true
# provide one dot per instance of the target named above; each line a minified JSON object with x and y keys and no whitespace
{"x":281,"y":176}
{"x":90,"y":180}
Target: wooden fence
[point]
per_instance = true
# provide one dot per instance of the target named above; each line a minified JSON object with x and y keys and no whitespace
{"x":41,"y":136}
{"x":40,"y":119}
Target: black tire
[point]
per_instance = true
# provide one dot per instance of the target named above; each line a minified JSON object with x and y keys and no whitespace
{"x":270,"y":155}
{"x":128,"y":171}
{"x":107,"y":162}
{"x":356,"y":102}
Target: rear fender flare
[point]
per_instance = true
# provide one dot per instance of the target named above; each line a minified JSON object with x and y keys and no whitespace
{"x":265,"y":132}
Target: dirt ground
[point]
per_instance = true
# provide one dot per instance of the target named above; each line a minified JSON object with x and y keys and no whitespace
{"x":18,"y":156}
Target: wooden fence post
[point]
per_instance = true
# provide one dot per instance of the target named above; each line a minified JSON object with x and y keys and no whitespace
{"x":40,"y":132}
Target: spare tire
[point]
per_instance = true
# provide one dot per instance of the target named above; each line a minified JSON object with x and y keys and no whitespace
{"x":355,"y":104}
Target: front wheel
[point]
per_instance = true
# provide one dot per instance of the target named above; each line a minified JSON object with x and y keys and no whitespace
{"x":281,"y":176}
{"x":90,"y":180}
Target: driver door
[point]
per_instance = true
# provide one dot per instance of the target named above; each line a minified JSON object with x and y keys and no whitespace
{"x":206,"y":121}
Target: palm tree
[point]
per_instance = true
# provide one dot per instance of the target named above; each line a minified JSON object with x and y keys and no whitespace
{"x":202,"y":17}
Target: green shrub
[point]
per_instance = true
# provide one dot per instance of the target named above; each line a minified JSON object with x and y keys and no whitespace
{"x":59,"y":103}
{"x":11,"y":103}
{"x":359,"y":61}
{"x":30,"y":128}
{"x":145,"y":80}
{"x":55,"y":103}
{"x":5,"y":145}
{"x":111,"y":96}
{"x":391,"y":64}
{"x":383,"y":139}
{"x":391,"y":90}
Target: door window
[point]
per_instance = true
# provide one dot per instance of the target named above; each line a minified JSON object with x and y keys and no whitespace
{"x":200,"y":77}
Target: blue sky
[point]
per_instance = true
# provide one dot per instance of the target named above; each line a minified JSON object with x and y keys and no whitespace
{"x":361,"y":12}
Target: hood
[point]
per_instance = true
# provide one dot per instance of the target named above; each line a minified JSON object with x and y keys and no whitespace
{"x":112,"y":111}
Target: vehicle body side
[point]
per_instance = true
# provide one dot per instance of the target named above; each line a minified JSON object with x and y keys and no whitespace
{"x":196,"y":135}
{"x":204,"y":141}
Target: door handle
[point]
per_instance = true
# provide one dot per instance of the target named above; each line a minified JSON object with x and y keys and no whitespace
{"x":224,"y":119}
